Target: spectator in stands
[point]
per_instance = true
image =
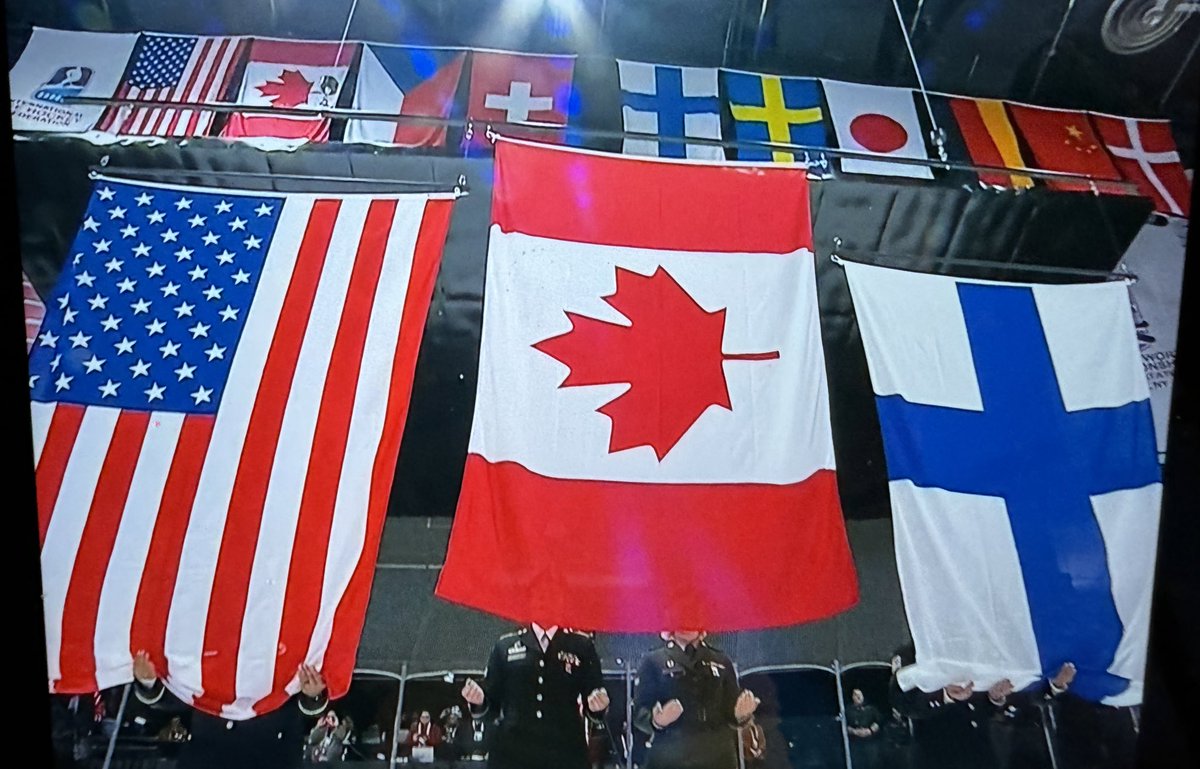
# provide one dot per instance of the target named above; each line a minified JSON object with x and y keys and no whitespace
{"x":71,"y":721}
{"x":862,"y":722}
{"x":897,"y":748}
{"x":754,"y":745}
{"x":272,"y":739}
{"x":424,"y":733}
{"x":174,"y":731}
{"x":689,"y":700}
{"x":951,"y":723}
{"x":447,"y":748}
{"x":327,"y":740}
{"x":541,"y":683}
{"x":473,"y":738}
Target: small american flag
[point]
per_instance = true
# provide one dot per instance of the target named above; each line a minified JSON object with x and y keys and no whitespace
{"x":175,"y":68}
{"x":218,"y":393}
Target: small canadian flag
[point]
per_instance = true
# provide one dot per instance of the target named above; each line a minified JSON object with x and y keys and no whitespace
{"x":651,"y":445}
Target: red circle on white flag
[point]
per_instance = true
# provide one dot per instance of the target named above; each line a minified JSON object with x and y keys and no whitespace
{"x":878,"y":133}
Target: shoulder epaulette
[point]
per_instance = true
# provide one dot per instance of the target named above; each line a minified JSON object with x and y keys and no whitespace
{"x":583,"y":633}
{"x":514,"y":633}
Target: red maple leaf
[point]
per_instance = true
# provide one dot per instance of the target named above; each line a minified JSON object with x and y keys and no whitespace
{"x":289,"y":90}
{"x":670,"y":356}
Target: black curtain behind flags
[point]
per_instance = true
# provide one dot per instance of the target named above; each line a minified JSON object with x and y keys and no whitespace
{"x":919,"y":225}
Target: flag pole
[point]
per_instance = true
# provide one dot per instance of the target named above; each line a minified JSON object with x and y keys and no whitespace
{"x":345,"y":31}
{"x":878,"y":259}
{"x":1062,"y":25}
{"x":936,"y":133}
{"x":459,"y":187}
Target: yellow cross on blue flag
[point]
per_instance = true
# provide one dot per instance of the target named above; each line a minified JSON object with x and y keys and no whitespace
{"x":770,"y":108}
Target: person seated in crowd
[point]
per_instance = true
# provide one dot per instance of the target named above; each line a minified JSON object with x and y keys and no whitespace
{"x":473,"y":739}
{"x":754,"y":745}
{"x":327,"y":740}
{"x":174,"y":731}
{"x":272,"y":739}
{"x":424,"y":733}
{"x":447,"y":748}
{"x":862,"y":723}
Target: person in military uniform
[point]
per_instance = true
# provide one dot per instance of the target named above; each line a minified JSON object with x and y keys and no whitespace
{"x":535,"y":682}
{"x":269,"y":740}
{"x":951,"y":724}
{"x":1017,"y":731}
{"x":689,"y":701}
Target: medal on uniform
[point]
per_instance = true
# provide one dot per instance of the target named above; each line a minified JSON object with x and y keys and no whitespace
{"x":569,"y":661}
{"x":517,"y":651}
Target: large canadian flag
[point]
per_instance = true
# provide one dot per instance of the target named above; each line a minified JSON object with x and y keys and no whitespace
{"x":651,"y":446}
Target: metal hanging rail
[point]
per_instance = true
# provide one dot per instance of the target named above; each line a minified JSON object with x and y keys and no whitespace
{"x":1095,"y":185}
{"x":459,"y":187}
{"x":887,"y":260}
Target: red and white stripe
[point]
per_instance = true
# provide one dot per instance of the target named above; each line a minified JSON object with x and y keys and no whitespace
{"x":207,"y":77}
{"x":35,"y":310}
{"x":235,"y":547}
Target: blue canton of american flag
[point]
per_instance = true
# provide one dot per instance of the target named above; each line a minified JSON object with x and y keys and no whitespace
{"x":161,"y":61}
{"x":149,"y":309}
{"x":174,"y":68}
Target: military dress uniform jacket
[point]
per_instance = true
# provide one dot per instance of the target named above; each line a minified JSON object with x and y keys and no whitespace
{"x":949,"y":735}
{"x":274,"y":739}
{"x":535,"y":697}
{"x":703,"y":679}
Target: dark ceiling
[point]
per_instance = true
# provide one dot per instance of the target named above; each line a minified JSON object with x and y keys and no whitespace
{"x":994,"y":48}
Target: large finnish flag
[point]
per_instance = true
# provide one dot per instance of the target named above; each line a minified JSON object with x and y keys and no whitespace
{"x":1024,"y":480}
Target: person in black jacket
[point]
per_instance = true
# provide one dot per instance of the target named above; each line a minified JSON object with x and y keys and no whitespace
{"x":951,"y":724}
{"x":271,"y":740}
{"x":473,"y":739}
{"x":535,"y":682}
{"x":689,"y":701}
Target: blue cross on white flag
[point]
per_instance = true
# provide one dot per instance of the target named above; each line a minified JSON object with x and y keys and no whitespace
{"x":1023,"y":475}
{"x":678,"y":102}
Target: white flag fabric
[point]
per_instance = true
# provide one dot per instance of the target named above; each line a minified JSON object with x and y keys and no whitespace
{"x":217,"y":406}
{"x":1156,"y":256}
{"x":878,"y":119}
{"x":679,"y":102}
{"x":1022,"y":470}
{"x":59,"y":63}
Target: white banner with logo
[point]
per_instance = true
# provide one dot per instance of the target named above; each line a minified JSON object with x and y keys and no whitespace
{"x":1156,"y":256}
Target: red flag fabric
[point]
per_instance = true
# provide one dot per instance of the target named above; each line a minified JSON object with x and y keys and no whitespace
{"x":1145,"y":154}
{"x":214,"y":448}
{"x":651,"y":446}
{"x":286,"y":75}
{"x":35,"y":310}
{"x":1064,"y":140}
{"x":514,"y":88}
{"x":175,"y":68}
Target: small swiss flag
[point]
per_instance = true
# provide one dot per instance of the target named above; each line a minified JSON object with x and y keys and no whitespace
{"x":512,"y":89}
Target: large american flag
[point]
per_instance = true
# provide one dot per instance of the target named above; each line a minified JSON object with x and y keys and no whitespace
{"x":174,"y":68}
{"x":218,"y":393}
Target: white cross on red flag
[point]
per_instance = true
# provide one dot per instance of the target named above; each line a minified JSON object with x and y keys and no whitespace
{"x":1145,"y":154}
{"x":511,"y":88}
